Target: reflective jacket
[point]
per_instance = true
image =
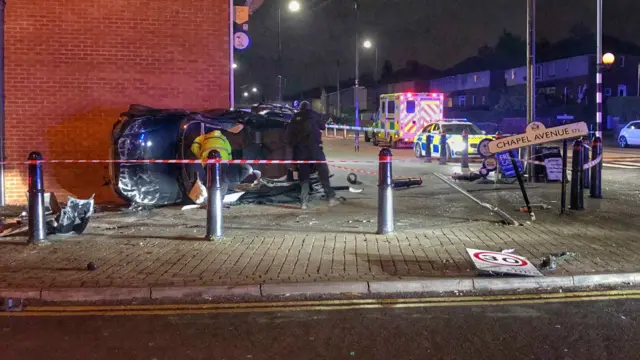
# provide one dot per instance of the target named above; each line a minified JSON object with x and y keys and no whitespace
{"x":214,"y":140}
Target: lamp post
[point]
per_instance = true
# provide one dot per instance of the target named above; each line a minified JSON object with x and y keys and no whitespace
{"x":368,"y":45}
{"x":356,"y":94}
{"x":294,"y":6}
{"x":531,"y":76}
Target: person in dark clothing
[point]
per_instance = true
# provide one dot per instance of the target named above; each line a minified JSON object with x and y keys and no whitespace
{"x":304,"y":135}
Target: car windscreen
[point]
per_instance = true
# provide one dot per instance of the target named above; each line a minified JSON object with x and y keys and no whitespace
{"x":457,"y":129}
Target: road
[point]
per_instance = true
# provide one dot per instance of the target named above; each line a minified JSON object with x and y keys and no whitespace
{"x":607,"y":329}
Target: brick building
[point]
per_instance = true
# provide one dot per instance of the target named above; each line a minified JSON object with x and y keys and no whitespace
{"x":72,"y":66}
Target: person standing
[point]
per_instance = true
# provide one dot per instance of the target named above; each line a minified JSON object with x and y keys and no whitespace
{"x":304,"y":135}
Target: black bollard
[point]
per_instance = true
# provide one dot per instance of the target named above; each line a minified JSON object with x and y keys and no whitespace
{"x":37,"y":223}
{"x":443,"y":149}
{"x":385,"y":193}
{"x":585,"y":172}
{"x":464,"y":163}
{"x":214,"y":197}
{"x":563,"y":193}
{"x":595,"y":190}
{"x":427,"y":152}
{"x":576,"y":201}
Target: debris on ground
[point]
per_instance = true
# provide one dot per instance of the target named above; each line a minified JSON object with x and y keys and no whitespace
{"x":74,"y":218}
{"x":551,"y":262}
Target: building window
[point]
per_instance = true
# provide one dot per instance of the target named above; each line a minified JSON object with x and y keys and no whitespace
{"x":484,"y":100}
{"x":449,"y":102}
{"x":462,"y":101}
{"x":552,"y":69}
{"x":567,"y":66}
{"x":622,"y":90}
{"x":538,"y":72}
{"x":473,"y":100}
{"x":513,"y":74}
{"x":475,"y":78}
{"x":411,"y":106}
{"x":621,"y":61}
{"x":607,"y":91}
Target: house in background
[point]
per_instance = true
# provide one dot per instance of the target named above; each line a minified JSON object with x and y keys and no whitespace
{"x":476,"y":90}
{"x":571,"y":81}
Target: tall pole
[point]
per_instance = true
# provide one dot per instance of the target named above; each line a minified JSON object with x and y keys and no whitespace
{"x":599,"y":70}
{"x":638,"y":91}
{"x":531,"y":76}
{"x":231,"y":58}
{"x":279,"y":65}
{"x":356,"y":94}
{"x":338,"y":110}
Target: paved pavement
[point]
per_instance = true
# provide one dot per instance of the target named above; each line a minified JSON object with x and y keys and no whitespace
{"x":279,"y":243}
{"x":580,"y":330}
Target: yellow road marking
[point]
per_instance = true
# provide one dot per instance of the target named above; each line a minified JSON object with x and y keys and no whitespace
{"x":186,"y":309}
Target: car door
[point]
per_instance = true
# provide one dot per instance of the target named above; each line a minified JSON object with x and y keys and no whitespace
{"x":435,"y":138}
{"x":422,"y":137}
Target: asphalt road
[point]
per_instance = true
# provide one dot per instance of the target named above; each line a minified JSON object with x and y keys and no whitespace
{"x":564,"y":330}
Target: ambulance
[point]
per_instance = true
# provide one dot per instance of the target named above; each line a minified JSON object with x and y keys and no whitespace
{"x":400,"y":116}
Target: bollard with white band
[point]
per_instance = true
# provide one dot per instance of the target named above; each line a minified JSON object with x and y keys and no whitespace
{"x":37,"y":223}
{"x":443,"y":148}
{"x":427,"y":151}
{"x":385,"y":193}
{"x":464,"y":163}
{"x":214,"y":197}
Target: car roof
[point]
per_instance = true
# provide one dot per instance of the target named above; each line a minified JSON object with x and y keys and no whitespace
{"x":452,"y":122}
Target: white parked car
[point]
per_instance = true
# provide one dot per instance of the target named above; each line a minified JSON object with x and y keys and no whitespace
{"x":630,"y":135}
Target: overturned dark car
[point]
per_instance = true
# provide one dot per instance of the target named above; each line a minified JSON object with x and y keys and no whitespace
{"x":144,"y":133}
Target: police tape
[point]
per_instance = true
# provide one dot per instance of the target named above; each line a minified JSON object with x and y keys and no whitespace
{"x":190,"y":161}
{"x":586,"y":166}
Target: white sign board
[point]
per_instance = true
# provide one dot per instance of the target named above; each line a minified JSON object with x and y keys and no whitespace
{"x":554,"y":169}
{"x":240,"y":40}
{"x":500,"y":263}
{"x":537,"y":133}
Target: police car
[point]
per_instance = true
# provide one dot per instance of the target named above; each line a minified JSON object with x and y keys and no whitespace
{"x":453,"y":131}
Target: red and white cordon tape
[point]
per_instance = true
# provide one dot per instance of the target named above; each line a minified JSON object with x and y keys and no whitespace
{"x":586,"y":166}
{"x":176,"y":161}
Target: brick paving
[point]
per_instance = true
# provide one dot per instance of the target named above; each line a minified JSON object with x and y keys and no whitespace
{"x":250,"y":257}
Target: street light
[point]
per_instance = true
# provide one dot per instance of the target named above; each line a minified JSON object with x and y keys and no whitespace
{"x":608,"y":59}
{"x":367,"y":44}
{"x":255,"y":90}
{"x":246,"y":94}
{"x":235,"y":66}
{"x":294,"y":6}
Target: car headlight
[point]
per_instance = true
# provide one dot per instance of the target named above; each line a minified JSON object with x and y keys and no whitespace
{"x":457,"y":146}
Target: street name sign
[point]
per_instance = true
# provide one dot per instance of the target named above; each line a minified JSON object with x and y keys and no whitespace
{"x":501,"y":263}
{"x":537,"y":133}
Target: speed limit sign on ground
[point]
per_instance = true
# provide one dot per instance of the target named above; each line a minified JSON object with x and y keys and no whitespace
{"x":497,"y":262}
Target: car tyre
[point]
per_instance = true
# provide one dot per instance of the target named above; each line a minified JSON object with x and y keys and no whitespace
{"x":623,"y":142}
{"x":417,"y":149}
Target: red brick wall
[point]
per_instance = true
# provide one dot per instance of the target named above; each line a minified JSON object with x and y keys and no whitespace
{"x":72,"y":66}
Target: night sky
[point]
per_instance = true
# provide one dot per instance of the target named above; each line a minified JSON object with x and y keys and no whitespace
{"x":438,"y":33}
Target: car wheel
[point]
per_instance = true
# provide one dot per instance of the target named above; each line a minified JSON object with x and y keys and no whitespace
{"x":417,"y":149}
{"x":374,"y":140}
{"x":623,"y":142}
